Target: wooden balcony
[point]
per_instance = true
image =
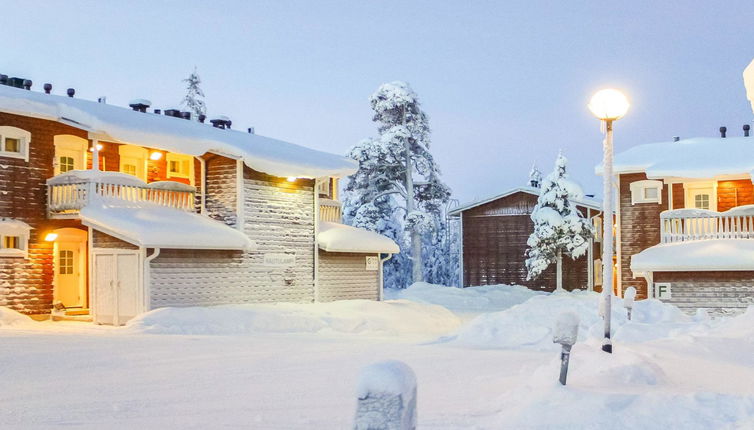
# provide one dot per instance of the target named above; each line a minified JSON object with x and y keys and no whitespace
{"x":329,"y":210}
{"x":681,"y":225}
{"x":68,"y":193}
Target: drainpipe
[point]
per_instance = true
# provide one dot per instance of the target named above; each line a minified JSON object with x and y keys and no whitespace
{"x":148,"y":277}
{"x":316,"y":237}
{"x":382,"y":277}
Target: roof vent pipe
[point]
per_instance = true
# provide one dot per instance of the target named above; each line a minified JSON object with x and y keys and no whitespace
{"x":71,"y":92}
{"x":48,"y":88}
{"x":173,"y":113}
{"x":186,"y":115}
{"x":723,"y":129}
{"x":251,"y":130}
{"x":102,"y":100}
{"x":202,"y":117}
{"x":221,"y":121}
{"x":676,"y":138}
{"x":27,"y":84}
{"x":158,"y":111}
{"x":746,"y":130}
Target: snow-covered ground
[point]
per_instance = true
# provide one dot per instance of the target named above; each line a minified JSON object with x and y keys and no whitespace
{"x":483,"y":359}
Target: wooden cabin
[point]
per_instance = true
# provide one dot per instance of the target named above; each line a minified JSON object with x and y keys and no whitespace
{"x":686,"y":222}
{"x":494,"y":232}
{"x":107,"y":212}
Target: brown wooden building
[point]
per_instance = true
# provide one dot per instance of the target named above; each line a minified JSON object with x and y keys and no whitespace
{"x":494,"y":232}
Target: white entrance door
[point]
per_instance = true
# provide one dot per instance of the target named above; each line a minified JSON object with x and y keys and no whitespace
{"x":117,"y":293}
{"x":69,"y":277}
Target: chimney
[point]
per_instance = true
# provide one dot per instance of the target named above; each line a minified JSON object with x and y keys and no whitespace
{"x":746,"y":130}
{"x":48,"y":88}
{"x":71,"y":92}
{"x":27,"y":84}
{"x":723,"y":129}
{"x":251,"y":130}
{"x":676,"y":138}
{"x":202,"y":117}
{"x":186,"y":115}
{"x":140,"y":105}
{"x":158,"y":111}
{"x":4,"y":79}
{"x":221,"y":121}
{"x":173,"y":112}
{"x":16,"y":82}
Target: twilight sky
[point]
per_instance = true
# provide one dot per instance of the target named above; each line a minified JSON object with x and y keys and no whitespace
{"x":504,"y":83}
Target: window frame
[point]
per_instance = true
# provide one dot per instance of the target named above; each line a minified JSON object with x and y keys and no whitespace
{"x":136,"y":155}
{"x":23,"y":137}
{"x":638,"y":191}
{"x":14,"y":228}
{"x":693,"y":189}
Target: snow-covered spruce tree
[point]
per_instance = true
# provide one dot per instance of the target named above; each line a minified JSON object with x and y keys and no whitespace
{"x":194,"y":99}
{"x":558,"y":225}
{"x":397,"y":190}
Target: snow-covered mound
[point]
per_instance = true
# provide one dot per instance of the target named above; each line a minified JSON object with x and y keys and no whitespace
{"x":489,"y":298}
{"x":363,"y":317}
{"x":530,"y":323}
{"x":9,"y":317}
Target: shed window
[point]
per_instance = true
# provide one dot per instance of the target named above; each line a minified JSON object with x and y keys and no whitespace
{"x":646,"y":192}
{"x":14,"y":142}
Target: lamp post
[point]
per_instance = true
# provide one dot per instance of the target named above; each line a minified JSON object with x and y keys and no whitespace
{"x":607,"y":105}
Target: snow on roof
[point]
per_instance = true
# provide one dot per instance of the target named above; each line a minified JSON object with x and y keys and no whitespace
{"x":699,"y":157}
{"x":9,"y":225}
{"x":152,"y":226}
{"x":336,"y":237}
{"x":271,"y":156}
{"x":697,"y":255}
{"x":585,"y":202}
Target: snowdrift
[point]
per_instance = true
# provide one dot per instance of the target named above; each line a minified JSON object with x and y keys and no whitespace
{"x":395,"y":318}
{"x":9,"y":317}
{"x":488,"y":298}
{"x":530,"y":324}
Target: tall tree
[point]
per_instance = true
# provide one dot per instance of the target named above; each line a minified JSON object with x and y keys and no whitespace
{"x":194,"y":99}
{"x":558,"y":225}
{"x":397,"y":190}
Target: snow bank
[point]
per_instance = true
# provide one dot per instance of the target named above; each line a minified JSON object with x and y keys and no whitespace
{"x":9,"y":317}
{"x":489,"y":298}
{"x":362,"y":317}
{"x":529,"y":324}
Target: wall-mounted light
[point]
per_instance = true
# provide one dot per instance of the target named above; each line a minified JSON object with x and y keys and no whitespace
{"x":156,"y":155}
{"x":291,"y":179}
{"x":51,"y":237}
{"x":99,"y":147}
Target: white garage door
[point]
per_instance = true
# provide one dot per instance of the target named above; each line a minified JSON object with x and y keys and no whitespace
{"x":117,"y":287}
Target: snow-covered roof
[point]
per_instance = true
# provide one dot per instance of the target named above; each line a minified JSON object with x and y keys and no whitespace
{"x":123,"y":125}
{"x":152,"y":226}
{"x":9,"y":225}
{"x":699,"y":157}
{"x":585,"y":202}
{"x":336,"y":237}
{"x":696,"y":255}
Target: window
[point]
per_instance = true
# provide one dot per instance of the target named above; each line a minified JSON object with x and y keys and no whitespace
{"x":128,"y":168}
{"x":66,"y":164}
{"x":701,"y":201}
{"x":70,"y":153}
{"x":14,"y":142}
{"x":646,"y":192}
{"x":14,"y":238}
{"x":65,"y":262}
{"x":180,"y":166}
{"x":133,"y":160}
{"x":324,"y":187}
{"x":701,"y":195}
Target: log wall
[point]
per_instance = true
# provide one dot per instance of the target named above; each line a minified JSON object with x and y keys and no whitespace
{"x":719,"y":292}
{"x":343,"y":276}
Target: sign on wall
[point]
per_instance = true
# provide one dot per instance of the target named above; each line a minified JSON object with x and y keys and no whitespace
{"x":279,"y":260}
{"x":373,"y":263}
{"x":662,"y":290}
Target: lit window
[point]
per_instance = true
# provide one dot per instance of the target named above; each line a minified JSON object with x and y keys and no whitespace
{"x":14,"y":142}
{"x":129,"y":169}
{"x":133,"y":160}
{"x":66,"y":164}
{"x":646,"y":192}
{"x":14,"y":238}
{"x":12,"y":242}
{"x":179,"y":166}
{"x":65,"y":262}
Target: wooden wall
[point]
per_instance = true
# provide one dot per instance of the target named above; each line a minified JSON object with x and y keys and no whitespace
{"x":494,"y":246}
{"x":103,"y":240}
{"x":734,"y":193}
{"x":343,"y":276}
{"x":720,"y":292}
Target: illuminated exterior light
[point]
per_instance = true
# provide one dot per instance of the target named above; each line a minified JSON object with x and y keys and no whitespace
{"x":51,"y":237}
{"x":155,"y":156}
{"x":609,"y":104}
{"x":99,"y":147}
{"x":291,"y":179}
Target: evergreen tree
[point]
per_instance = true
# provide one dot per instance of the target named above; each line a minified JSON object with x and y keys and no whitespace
{"x":397,"y":190}
{"x":558,"y":225}
{"x":194,"y":99}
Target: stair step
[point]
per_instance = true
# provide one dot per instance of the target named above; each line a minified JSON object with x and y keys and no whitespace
{"x":75,"y":312}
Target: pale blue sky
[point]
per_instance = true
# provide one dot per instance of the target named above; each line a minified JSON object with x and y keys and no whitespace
{"x":503,"y":82}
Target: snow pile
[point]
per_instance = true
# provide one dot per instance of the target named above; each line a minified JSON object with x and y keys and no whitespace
{"x":362,"y":317}
{"x":488,"y":298}
{"x":529,"y":324}
{"x":9,"y":317}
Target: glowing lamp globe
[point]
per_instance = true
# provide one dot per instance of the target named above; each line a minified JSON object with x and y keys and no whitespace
{"x":609,"y":104}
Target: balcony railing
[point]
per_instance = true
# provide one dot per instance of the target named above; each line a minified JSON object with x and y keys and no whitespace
{"x":329,"y":210}
{"x":68,"y":193}
{"x":681,"y":225}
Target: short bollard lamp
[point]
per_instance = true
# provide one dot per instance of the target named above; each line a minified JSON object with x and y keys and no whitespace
{"x":565,"y":333}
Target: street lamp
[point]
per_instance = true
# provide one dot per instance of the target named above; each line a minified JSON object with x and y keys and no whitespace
{"x":607,"y":105}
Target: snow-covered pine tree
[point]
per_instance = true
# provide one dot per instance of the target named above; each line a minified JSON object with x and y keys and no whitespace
{"x":397,"y":190}
{"x":194,"y":99}
{"x":558,"y":225}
